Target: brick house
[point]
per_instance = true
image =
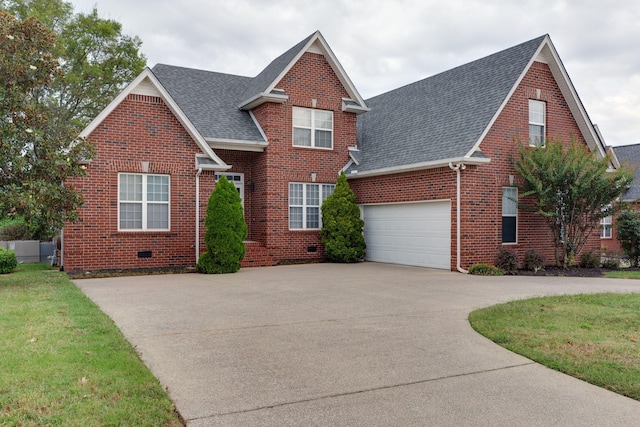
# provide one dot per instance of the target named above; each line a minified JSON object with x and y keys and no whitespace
{"x":431,"y":163}
{"x":624,"y":154}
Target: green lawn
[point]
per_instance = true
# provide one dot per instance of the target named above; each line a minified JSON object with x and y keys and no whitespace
{"x":64,"y":363}
{"x":591,"y":337}
{"x":623,"y":274}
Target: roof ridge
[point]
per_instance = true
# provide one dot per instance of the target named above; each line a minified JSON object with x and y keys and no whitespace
{"x":538,"y":40}
{"x":200,"y":70}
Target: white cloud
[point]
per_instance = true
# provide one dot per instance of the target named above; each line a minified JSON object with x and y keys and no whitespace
{"x":386,"y":44}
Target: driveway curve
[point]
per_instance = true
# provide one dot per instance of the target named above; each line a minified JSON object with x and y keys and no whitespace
{"x":348,"y":345}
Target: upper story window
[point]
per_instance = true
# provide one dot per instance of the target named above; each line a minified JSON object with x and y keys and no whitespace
{"x":537,"y":123}
{"x":312,"y":128}
{"x":143,"y":202}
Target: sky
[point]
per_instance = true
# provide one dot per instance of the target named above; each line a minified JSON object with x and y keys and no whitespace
{"x":383,"y":45}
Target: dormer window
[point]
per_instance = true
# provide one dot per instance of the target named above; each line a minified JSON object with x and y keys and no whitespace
{"x":312,"y":128}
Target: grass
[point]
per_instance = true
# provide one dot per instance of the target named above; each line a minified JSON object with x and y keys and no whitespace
{"x":591,"y":337}
{"x":63,"y":361}
{"x":622,"y":274}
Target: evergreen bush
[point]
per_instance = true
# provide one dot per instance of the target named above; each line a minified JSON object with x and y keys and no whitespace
{"x":507,"y":261}
{"x":533,"y":260}
{"x":8,"y":261}
{"x":341,"y":231}
{"x":226,"y":231}
{"x":589,"y":259}
{"x":628,"y":234}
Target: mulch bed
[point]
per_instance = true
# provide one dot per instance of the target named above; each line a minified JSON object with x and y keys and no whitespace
{"x":572,"y":271}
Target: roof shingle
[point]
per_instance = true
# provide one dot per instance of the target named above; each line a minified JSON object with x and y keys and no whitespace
{"x":440,"y":117}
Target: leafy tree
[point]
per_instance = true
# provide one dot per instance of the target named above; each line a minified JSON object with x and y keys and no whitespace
{"x":51,"y":88}
{"x":96,"y":59}
{"x":37,"y":154}
{"x":341,"y":232}
{"x":628,"y":234}
{"x":572,"y":190}
{"x":226,"y":231}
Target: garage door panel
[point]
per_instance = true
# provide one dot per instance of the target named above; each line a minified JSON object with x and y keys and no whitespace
{"x":409,"y":233}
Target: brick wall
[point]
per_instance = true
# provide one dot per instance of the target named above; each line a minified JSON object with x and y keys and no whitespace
{"x":481,"y":205}
{"x":311,"y":78}
{"x":140,"y":129}
{"x":143,"y":129}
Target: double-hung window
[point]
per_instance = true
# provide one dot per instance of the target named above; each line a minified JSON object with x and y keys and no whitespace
{"x":305,"y":201}
{"x":509,"y":214}
{"x":312,"y":128}
{"x":143,"y":202}
{"x":537,"y":123}
{"x":605,"y":226}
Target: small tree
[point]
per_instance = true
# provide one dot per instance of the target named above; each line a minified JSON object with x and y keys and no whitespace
{"x":226,"y":231}
{"x":37,"y":153}
{"x":572,"y":190}
{"x":341,"y":232}
{"x":628,"y":234}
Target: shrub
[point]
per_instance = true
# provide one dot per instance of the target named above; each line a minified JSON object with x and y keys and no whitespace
{"x":226,"y":231}
{"x":8,"y":261}
{"x":507,"y":261}
{"x":628,"y":234}
{"x":341,"y":232}
{"x":533,"y":260}
{"x":611,"y":264}
{"x":14,"y":229}
{"x":589,"y":259}
{"x":485,"y":270}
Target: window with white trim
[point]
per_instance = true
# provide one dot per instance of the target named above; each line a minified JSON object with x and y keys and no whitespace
{"x":537,"y":123}
{"x":305,"y":201}
{"x":606,"y":225}
{"x":143,"y":202}
{"x":312,"y":128}
{"x":509,"y":214}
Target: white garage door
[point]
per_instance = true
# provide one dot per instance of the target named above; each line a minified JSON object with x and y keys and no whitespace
{"x":409,"y":233}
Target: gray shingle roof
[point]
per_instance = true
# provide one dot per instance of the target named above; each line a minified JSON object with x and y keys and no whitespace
{"x":631,"y":154}
{"x":210,"y":101}
{"x":262,"y":81}
{"x":440,"y":117}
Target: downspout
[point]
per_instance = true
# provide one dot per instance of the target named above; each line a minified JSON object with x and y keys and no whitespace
{"x":457,"y":168}
{"x":198,"y":214}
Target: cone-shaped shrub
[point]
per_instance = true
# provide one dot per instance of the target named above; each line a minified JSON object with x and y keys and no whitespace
{"x":341,"y":225}
{"x":226,"y":231}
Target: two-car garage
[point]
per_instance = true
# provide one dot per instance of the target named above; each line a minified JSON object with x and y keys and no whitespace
{"x":409,"y":233}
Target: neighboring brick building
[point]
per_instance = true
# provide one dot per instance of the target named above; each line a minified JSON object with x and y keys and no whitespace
{"x":629,"y":154}
{"x":283,"y":136}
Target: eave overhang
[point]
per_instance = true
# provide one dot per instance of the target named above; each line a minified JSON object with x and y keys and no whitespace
{"x":419,"y":166}
{"x":237,"y":145}
{"x":261,"y":98}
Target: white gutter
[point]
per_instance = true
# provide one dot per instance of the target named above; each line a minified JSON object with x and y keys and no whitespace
{"x":457,"y":168}
{"x":198,"y":214}
{"x":420,"y":166}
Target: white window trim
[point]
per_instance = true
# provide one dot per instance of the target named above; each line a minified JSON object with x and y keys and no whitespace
{"x":509,"y":216}
{"x":543,"y":123}
{"x":145,"y":203}
{"x":606,"y":224}
{"x":312,"y":128}
{"x":239,"y":183}
{"x":304,"y":205}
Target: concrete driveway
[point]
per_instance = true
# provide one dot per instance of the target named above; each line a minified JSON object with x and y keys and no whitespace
{"x":348,"y":345}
